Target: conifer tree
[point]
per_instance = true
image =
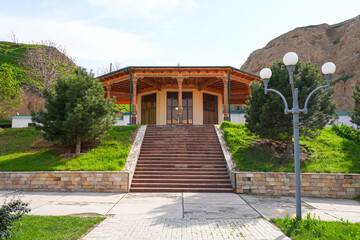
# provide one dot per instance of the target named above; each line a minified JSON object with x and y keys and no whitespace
{"x":265,"y":112}
{"x":355,"y":113}
{"x":76,"y":110}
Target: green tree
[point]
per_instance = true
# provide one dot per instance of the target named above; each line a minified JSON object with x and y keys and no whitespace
{"x":122,"y":107}
{"x":10,"y":91}
{"x":355,"y":113}
{"x":265,"y":113}
{"x":76,"y":110}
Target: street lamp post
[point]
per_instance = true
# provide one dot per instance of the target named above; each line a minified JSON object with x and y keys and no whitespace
{"x":290,"y":59}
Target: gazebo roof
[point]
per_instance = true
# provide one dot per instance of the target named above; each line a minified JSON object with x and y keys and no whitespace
{"x":208,"y":78}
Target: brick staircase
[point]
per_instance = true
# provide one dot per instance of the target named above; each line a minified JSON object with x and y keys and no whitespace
{"x":181,"y":159}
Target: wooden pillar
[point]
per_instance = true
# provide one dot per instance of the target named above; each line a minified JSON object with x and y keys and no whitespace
{"x":108,"y":91}
{"x":226,"y":99}
{"x":180,"y":108}
{"x":134,"y":112}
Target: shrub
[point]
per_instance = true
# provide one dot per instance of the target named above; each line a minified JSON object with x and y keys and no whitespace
{"x":314,"y":228}
{"x":336,"y":41}
{"x":355,"y":113}
{"x":347,"y":132}
{"x":9,"y":213}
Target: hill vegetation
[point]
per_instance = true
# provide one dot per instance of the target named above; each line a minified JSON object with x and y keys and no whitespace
{"x":327,"y":153}
{"x":26,"y":70}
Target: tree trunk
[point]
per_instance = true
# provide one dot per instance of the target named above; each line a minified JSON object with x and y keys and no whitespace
{"x":289,"y":147}
{"x":78,"y":146}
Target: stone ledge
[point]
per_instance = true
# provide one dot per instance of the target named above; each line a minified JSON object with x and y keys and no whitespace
{"x":76,"y":181}
{"x":332,"y":185}
{"x":67,"y":181}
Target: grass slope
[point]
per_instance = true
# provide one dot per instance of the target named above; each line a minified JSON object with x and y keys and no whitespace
{"x":328,"y":152}
{"x":54,"y":227}
{"x":10,"y":53}
{"x":24,"y":150}
{"x":312,"y":228}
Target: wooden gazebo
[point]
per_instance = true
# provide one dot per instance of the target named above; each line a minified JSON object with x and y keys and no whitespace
{"x":178,"y":95}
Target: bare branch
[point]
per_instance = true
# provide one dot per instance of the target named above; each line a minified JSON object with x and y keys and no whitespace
{"x":106,"y":69}
{"x":44,"y":63}
{"x":13,"y":37}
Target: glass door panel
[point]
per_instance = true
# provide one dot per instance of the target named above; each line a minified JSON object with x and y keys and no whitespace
{"x":172,"y":108}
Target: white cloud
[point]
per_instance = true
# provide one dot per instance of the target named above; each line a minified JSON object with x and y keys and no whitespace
{"x":84,"y":42}
{"x":143,"y":8}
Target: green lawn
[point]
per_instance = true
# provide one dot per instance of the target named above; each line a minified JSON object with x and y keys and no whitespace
{"x":312,"y":228}
{"x":53,"y":227}
{"x":23,"y":149}
{"x":327,"y":153}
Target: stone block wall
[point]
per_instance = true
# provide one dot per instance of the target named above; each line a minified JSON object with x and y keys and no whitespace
{"x":332,"y":185}
{"x":72,"y":181}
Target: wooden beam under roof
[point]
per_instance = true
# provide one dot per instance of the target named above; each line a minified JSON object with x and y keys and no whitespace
{"x":207,"y":83}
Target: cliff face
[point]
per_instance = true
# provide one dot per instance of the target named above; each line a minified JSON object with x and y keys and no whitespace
{"x":339,"y":43}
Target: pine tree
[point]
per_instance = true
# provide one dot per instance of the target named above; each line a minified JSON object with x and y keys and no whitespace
{"x":355,"y":113}
{"x":76,"y":110}
{"x":265,"y":113}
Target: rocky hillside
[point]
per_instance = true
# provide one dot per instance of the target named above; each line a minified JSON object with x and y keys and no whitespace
{"x":11,"y":54}
{"x":338,"y":43}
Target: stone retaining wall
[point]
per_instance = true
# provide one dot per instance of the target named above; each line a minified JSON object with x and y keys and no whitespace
{"x":72,"y":181}
{"x":332,"y":185}
{"x":76,"y":181}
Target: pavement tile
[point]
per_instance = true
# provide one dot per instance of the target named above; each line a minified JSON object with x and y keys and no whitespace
{"x":160,"y":228}
{"x":200,"y":210}
{"x":213,"y":198}
{"x":61,"y":208}
{"x":93,"y":197}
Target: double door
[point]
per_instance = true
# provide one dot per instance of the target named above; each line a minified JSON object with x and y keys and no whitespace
{"x":173,"y":108}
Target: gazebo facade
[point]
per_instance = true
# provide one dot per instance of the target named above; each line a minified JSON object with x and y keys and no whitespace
{"x":178,"y":95}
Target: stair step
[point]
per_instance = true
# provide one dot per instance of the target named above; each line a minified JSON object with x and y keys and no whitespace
{"x":173,"y":176}
{"x":181,"y":159}
{"x":165,"y":150}
{"x":170,"y":172}
{"x":185,"y":154}
{"x":183,"y":185}
{"x":204,"y":162}
{"x":180,"y":147}
{"x":179,"y":165}
{"x":210,"y":169}
{"x":178,"y":180}
{"x":172,"y":189}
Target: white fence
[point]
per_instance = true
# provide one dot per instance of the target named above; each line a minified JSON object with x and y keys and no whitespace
{"x":25,"y":121}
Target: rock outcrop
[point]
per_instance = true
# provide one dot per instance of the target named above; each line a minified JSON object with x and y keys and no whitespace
{"x":30,"y":102}
{"x":338,"y":43}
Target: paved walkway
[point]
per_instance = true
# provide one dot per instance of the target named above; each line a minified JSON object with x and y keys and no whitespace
{"x":184,"y":215}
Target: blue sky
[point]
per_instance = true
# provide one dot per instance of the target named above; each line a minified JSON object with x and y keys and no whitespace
{"x":164,"y":32}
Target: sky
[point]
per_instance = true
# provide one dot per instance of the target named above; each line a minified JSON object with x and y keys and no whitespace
{"x":163,"y":32}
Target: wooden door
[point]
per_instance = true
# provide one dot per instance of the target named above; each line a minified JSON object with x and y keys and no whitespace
{"x":210,"y":109}
{"x":148,"y":109}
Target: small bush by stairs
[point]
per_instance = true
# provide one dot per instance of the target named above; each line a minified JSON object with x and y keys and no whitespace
{"x":181,"y":159}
